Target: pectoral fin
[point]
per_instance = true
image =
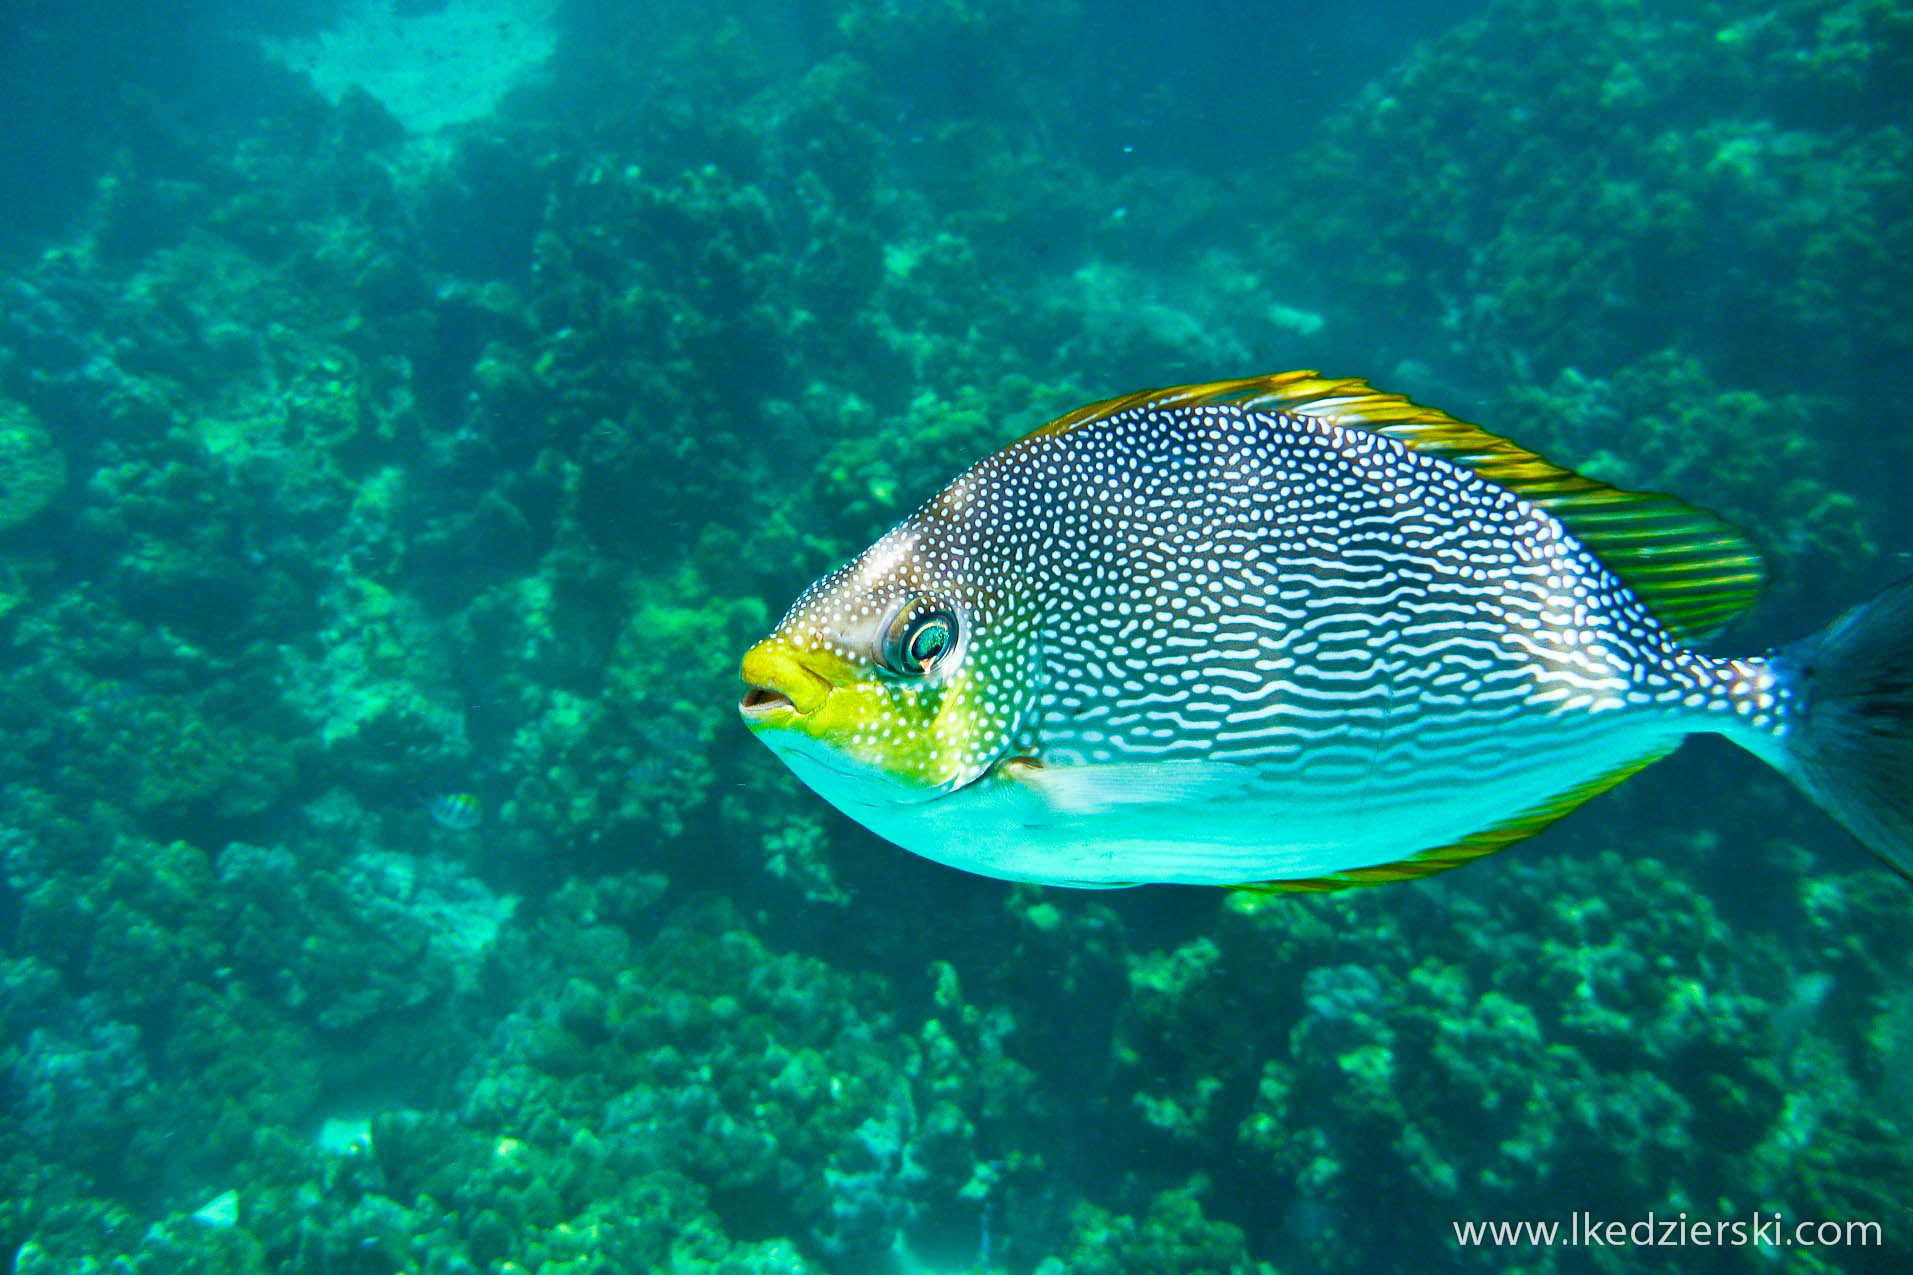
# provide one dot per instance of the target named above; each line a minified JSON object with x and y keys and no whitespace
{"x":1081,"y":790}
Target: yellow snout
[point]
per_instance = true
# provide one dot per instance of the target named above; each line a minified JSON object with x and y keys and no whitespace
{"x":781,"y":684}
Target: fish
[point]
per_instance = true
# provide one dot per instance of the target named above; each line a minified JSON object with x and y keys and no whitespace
{"x":459,"y":811}
{"x":670,"y":747}
{"x":1294,"y":633}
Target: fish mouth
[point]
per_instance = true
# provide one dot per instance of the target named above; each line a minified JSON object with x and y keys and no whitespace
{"x":780,"y":686}
{"x":761,"y":703}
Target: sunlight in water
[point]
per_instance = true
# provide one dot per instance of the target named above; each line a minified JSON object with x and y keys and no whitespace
{"x":430,"y":70}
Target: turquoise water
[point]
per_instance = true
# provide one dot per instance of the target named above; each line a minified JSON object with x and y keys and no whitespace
{"x":410,"y":411}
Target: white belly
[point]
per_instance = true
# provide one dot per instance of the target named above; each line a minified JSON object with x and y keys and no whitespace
{"x":1230,"y":824}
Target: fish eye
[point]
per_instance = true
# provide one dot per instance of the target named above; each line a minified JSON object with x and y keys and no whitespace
{"x":919,"y":638}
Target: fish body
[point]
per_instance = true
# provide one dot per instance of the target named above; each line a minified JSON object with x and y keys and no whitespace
{"x":458,"y":811}
{"x":1285,"y":631}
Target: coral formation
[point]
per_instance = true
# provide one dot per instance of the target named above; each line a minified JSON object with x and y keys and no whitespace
{"x":32,"y":470}
{"x":351,"y":455}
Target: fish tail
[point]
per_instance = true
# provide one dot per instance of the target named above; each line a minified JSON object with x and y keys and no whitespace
{"x":1849,"y":744}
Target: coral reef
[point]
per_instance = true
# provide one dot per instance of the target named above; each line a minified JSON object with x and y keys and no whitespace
{"x":32,"y":470}
{"x":353,"y":456}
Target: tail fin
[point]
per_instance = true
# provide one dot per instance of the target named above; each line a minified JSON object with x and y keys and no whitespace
{"x":1852,"y":750}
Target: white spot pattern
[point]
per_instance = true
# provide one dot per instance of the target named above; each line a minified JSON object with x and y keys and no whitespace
{"x":1210,"y":582}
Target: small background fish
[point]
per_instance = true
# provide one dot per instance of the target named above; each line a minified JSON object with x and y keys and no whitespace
{"x":459,"y":811}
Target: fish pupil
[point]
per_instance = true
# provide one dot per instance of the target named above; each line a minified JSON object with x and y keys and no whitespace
{"x":929,"y":638}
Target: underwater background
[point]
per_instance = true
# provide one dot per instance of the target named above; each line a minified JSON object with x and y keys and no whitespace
{"x":410,"y":410}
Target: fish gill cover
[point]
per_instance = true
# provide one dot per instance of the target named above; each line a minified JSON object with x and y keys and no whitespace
{"x":354,"y":457}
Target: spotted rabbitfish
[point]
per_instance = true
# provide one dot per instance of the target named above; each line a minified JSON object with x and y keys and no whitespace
{"x":1296,"y":633}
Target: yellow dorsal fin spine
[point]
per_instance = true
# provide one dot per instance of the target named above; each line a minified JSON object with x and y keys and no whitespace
{"x":1474,"y":846}
{"x":1693,"y":571}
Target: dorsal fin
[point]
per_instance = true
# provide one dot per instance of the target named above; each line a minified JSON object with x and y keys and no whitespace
{"x":1474,"y":846}
{"x":1693,"y":571}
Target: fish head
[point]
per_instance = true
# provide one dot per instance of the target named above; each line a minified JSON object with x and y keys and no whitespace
{"x":890,"y":682}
